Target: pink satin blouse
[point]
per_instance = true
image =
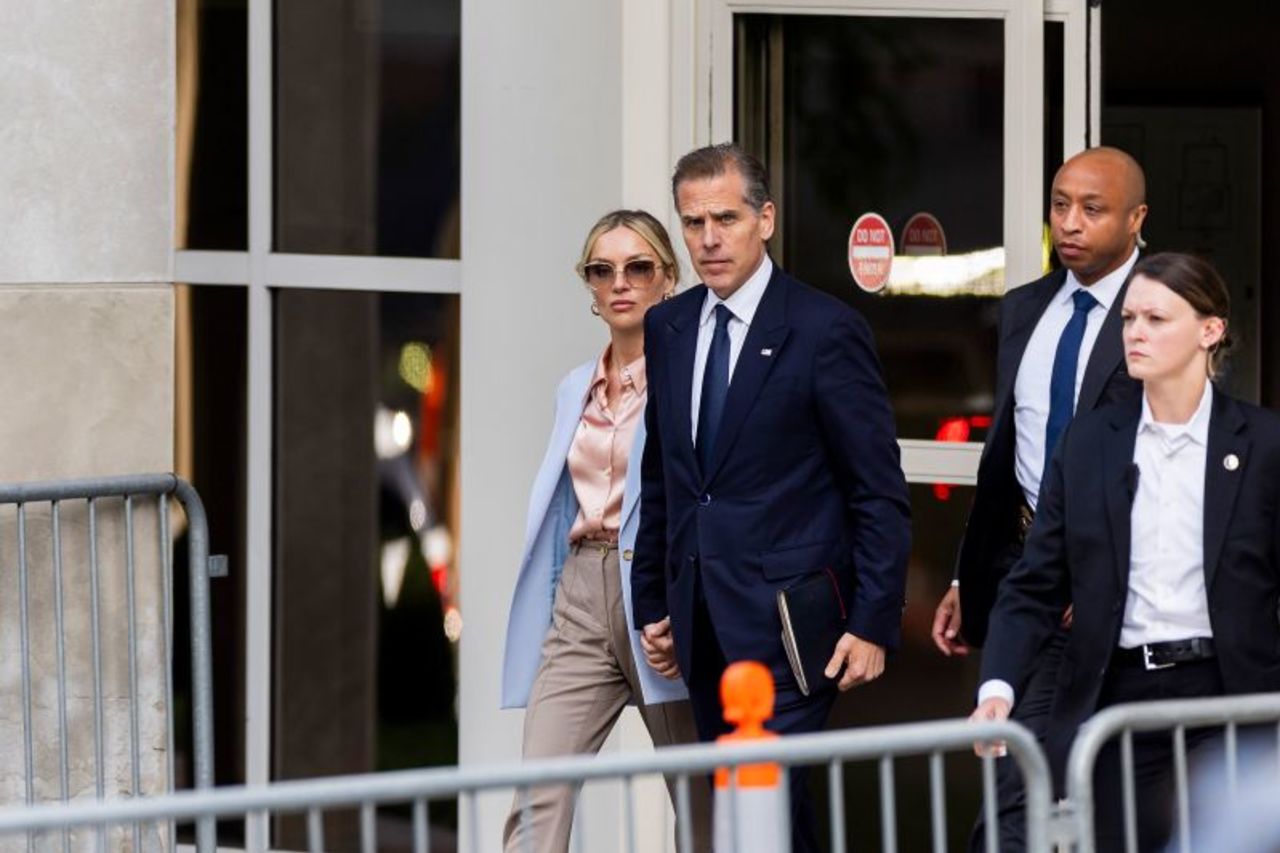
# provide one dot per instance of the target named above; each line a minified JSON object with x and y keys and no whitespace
{"x":598,"y":457}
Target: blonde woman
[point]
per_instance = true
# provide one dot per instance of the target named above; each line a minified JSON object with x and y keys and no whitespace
{"x":572,"y":659}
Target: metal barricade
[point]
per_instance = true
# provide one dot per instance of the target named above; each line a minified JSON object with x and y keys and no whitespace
{"x":77,"y":546}
{"x":1176,"y":717}
{"x":419,"y":788}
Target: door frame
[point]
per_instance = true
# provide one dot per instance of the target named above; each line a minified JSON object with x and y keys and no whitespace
{"x":702,"y":80}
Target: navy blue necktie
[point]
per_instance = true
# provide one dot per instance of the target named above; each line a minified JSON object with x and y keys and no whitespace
{"x":715,"y":387}
{"x":1062,"y":384}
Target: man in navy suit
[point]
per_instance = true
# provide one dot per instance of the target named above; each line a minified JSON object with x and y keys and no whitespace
{"x":771,"y":456}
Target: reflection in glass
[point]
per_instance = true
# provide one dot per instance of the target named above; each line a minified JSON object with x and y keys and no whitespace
{"x":365,"y":525}
{"x":367,"y":127}
{"x":897,"y":116}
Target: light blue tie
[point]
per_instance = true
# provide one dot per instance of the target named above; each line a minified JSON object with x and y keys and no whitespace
{"x":1062,"y":384}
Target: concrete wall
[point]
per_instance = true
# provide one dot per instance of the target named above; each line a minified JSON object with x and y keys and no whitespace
{"x":541,"y":148}
{"x":87,"y":92}
{"x":582,"y":128}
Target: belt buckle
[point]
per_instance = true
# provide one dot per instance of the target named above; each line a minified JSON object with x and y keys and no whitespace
{"x":1146,"y":660}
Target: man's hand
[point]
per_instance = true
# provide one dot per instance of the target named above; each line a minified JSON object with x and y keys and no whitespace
{"x":863,"y":661}
{"x":660,"y":648}
{"x":994,"y":710}
{"x":946,"y":625}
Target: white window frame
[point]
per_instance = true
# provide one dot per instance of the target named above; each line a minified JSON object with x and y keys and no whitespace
{"x":260,"y":270}
{"x":702,"y":99}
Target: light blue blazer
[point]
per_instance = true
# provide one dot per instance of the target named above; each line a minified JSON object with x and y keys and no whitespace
{"x":553,"y":506}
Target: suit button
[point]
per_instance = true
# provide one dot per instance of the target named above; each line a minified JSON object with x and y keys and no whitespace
{"x":626,"y":555}
{"x":705,"y":500}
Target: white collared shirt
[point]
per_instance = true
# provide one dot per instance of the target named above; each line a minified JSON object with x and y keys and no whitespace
{"x":1167,"y":598}
{"x":1031,"y":388}
{"x":742,"y":303}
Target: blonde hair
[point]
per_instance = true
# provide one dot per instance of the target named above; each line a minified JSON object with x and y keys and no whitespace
{"x":642,"y":223}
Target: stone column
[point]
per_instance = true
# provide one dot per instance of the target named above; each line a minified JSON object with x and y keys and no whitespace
{"x":86,"y":369}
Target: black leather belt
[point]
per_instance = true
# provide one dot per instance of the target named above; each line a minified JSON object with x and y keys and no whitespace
{"x":1165,"y":655}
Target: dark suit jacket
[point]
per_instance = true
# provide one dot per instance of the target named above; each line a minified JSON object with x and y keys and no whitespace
{"x":805,"y":476}
{"x":1078,"y":551}
{"x":993,"y":518}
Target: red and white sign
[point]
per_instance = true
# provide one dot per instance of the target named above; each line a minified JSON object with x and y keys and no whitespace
{"x":923,"y":235}
{"x":870,"y":252}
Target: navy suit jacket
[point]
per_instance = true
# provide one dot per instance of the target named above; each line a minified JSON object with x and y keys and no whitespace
{"x":805,"y":476}
{"x":993,"y":518}
{"x":1078,"y":551}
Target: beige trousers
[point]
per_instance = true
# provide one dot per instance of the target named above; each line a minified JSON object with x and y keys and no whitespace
{"x":586,"y":678}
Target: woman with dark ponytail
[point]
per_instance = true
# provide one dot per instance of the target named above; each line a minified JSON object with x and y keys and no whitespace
{"x":1159,"y":521}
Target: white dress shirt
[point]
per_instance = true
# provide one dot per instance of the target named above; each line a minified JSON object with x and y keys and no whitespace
{"x":1166,"y":599}
{"x":1031,"y":388}
{"x":742,"y":304}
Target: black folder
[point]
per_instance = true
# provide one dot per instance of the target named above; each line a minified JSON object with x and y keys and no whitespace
{"x":813,"y":620}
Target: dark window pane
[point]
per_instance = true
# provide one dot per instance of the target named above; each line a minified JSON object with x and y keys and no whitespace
{"x":210,"y":341}
{"x":213,"y":125}
{"x":366,"y":413}
{"x":1054,"y":75}
{"x":896,"y":116}
{"x":367,"y":127}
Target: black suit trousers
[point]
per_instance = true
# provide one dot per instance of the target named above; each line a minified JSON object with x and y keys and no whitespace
{"x":1031,"y":710}
{"x":1152,"y":753}
{"x":793,"y":713}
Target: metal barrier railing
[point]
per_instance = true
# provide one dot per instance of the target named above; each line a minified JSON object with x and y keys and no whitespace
{"x":418,"y":788}
{"x":1177,"y":717}
{"x":109,"y":561}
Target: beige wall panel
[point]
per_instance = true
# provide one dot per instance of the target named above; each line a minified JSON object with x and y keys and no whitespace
{"x":87,"y":382}
{"x":86,"y":147}
{"x":88,"y":391}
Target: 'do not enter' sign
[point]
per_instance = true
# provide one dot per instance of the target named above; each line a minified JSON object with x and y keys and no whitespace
{"x":870,"y":252}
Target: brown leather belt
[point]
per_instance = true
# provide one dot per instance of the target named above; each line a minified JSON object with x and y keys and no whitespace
{"x":602,"y":546}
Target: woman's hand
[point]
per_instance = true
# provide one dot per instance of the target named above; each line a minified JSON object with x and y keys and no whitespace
{"x":660,"y":648}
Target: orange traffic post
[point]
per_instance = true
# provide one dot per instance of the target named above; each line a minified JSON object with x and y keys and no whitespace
{"x":750,"y":805}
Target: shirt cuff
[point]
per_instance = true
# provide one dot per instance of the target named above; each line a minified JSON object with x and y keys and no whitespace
{"x":996,"y":688}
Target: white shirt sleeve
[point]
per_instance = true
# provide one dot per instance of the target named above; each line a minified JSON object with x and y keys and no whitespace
{"x":996,"y":688}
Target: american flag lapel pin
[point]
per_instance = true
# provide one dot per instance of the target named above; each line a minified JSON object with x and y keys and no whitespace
{"x":766,"y":352}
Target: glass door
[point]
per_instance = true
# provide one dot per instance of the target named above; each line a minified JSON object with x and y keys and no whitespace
{"x":944,"y":119}
{"x":910,"y":147}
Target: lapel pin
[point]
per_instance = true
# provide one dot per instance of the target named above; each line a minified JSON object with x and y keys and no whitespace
{"x":1231,"y":462}
{"x":766,"y":352}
